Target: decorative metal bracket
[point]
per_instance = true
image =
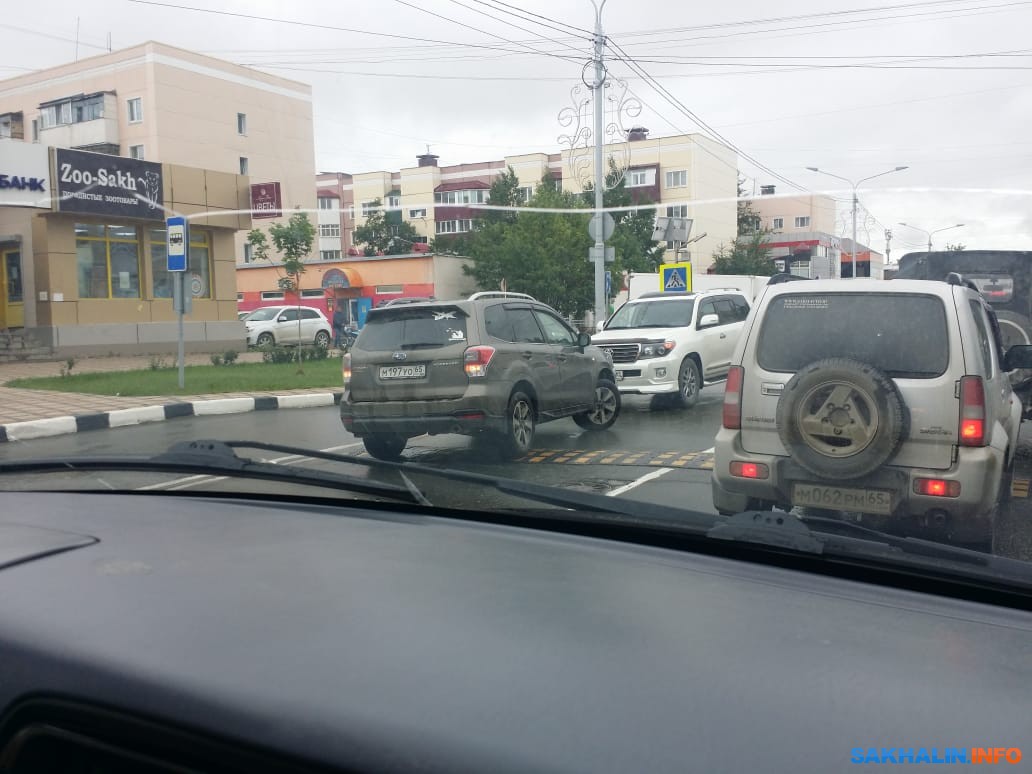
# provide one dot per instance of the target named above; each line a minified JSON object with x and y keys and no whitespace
{"x":620,"y":107}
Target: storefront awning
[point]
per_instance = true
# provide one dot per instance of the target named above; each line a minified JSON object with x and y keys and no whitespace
{"x":341,"y":278}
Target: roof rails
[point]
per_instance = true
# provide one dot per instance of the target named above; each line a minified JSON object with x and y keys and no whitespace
{"x":665,"y":294}
{"x":499,"y":294}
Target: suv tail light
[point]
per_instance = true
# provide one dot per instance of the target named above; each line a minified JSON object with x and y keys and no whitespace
{"x":345,"y":368}
{"x":732,"y":416}
{"x":972,"y":411}
{"x":476,"y":359}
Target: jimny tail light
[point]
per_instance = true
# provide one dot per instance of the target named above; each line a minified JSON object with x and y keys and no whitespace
{"x":732,"y":415}
{"x":971,"y":431}
{"x":476,"y":360}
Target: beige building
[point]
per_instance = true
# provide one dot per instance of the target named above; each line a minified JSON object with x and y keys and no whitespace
{"x":802,"y":213}
{"x":687,"y":176}
{"x":160,"y":103}
{"x":115,"y":144}
{"x":83,"y":258}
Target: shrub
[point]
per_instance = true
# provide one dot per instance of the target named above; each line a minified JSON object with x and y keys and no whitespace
{"x":229,"y":356}
{"x":289,"y":354}
{"x":216,"y":359}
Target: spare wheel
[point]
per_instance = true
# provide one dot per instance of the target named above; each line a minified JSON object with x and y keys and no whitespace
{"x":841,"y":419}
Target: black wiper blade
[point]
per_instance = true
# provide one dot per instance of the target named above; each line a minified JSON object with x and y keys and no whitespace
{"x":213,"y":458}
{"x":636,"y":513}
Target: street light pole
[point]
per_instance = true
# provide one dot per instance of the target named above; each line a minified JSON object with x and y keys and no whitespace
{"x":855,"y":186}
{"x":600,"y":174}
{"x":929,"y":233}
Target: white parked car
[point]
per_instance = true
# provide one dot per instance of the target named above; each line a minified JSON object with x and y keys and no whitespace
{"x":886,"y":400}
{"x":673,"y":343}
{"x":279,"y":325}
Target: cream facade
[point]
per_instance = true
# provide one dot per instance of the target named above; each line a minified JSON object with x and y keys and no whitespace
{"x":687,"y":176}
{"x":787,"y":214}
{"x":84,"y":262}
{"x":160,"y":103}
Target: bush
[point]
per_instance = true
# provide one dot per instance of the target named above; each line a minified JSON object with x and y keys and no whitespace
{"x":157,"y":363}
{"x":289,"y":354}
{"x":216,"y":359}
{"x":229,"y":356}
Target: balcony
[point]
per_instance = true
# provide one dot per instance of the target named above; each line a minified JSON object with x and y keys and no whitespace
{"x":87,"y":123}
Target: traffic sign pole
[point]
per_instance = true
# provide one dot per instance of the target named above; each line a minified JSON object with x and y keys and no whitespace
{"x":178,"y":251}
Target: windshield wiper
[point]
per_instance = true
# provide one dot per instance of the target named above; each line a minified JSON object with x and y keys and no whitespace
{"x":213,"y":458}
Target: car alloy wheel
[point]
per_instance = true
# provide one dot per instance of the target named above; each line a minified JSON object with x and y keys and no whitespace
{"x":688,"y":383}
{"x":265,"y":340}
{"x":607,"y":408}
{"x":322,"y":339}
{"x":519,"y":432}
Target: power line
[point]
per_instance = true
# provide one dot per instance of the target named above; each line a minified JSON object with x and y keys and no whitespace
{"x":818,"y":15}
{"x":478,"y":29}
{"x":548,"y":21}
{"x":314,"y":25}
{"x":665,"y":93}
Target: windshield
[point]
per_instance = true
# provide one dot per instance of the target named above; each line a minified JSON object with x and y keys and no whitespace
{"x":412,"y":198}
{"x":653,"y":314}
{"x":262,"y":315}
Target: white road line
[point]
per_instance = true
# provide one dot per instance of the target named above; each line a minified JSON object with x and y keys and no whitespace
{"x":650,"y":476}
{"x":710,"y":450}
{"x":189,"y":481}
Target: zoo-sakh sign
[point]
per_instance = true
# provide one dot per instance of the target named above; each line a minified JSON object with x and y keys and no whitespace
{"x":99,"y":184}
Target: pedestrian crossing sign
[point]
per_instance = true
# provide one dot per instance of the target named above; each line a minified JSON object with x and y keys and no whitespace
{"x":675,"y":277}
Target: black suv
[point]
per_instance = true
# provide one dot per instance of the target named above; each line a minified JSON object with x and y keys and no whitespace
{"x":491,"y":366}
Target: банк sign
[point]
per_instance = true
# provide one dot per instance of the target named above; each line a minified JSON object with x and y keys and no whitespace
{"x":99,"y":184}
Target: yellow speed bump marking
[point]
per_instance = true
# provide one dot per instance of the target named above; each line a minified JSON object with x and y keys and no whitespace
{"x":699,"y":460}
{"x":1020,"y":487}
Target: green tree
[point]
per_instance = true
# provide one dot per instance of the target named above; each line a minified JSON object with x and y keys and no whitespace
{"x":385,"y":233}
{"x":293,"y":242}
{"x":746,"y":255}
{"x":748,"y":218}
{"x":544,"y":254}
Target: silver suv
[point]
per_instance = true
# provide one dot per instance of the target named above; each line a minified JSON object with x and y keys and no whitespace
{"x":886,"y":400}
{"x":491,"y":366}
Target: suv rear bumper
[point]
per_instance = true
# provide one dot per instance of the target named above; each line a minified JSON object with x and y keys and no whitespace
{"x":967,"y":517}
{"x":419,"y":417}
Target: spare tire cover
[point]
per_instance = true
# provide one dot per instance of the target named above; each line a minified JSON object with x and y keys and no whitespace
{"x":1015,"y":329}
{"x":841,"y":418}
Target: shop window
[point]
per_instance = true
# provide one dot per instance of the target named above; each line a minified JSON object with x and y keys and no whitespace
{"x":108,"y":259}
{"x":199,"y":266}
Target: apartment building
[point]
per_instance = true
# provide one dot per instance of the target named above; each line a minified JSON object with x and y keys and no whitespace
{"x":686,"y":176}
{"x":159,"y":108}
{"x":788,"y":214}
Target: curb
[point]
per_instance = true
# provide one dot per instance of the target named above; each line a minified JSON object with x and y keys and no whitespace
{"x":52,"y":426}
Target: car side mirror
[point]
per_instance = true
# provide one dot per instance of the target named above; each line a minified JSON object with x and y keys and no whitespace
{"x":600,"y":327}
{"x":583,"y":340}
{"x":1018,"y":356}
{"x":709,"y":320}
{"x":281,"y":318}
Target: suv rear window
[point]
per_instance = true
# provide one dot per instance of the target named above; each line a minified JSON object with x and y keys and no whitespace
{"x":407,"y":327}
{"x":903,"y":334}
{"x":996,"y":289}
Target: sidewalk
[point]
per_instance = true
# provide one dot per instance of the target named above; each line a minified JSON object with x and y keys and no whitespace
{"x":26,"y":414}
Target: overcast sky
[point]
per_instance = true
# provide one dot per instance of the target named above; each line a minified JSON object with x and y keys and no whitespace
{"x":852,"y":86}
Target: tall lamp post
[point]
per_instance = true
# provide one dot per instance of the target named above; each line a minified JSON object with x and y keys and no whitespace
{"x":855,"y":185}
{"x":929,"y":233}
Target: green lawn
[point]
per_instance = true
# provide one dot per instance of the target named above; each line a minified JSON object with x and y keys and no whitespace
{"x":240,"y":377}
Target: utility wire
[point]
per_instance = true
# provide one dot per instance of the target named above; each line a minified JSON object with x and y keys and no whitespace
{"x":548,"y":21}
{"x":478,"y":29}
{"x":665,"y":93}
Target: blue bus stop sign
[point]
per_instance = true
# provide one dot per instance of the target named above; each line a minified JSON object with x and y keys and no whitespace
{"x":178,"y":242}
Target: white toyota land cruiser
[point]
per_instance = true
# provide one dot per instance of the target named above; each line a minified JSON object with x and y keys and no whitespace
{"x":889,"y":401}
{"x":673,"y":343}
